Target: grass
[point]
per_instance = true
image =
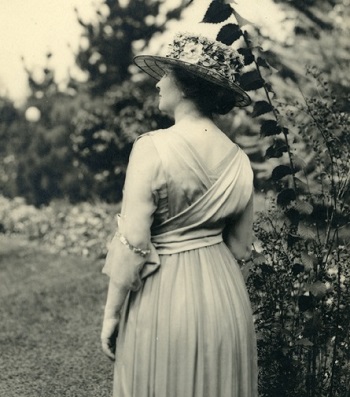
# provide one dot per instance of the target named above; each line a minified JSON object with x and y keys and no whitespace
{"x":50,"y":309}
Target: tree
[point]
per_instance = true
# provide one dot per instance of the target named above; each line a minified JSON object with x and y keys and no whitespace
{"x":44,"y":165}
{"x":119,"y":109}
{"x":109,"y":53}
{"x":11,"y":125}
{"x":75,"y":144}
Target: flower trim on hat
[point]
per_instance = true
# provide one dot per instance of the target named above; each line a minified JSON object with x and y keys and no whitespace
{"x":201,"y":51}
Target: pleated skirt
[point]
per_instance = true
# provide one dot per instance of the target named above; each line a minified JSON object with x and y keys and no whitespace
{"x":188,"y":332}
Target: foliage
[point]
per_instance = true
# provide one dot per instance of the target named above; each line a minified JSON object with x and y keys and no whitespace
{"x":83,"y":229}
{"x":105,"y":130}
{"x":119,"y":108}
{"x":37,"y":160}
{"x":300,"y":281}
{"x":46,"y":170}
{"x":77,"y":145}
{"x":304,"y":322}
{"x":110,"y":50}
{"x":11,"y":142}
{"x":281,"y":60}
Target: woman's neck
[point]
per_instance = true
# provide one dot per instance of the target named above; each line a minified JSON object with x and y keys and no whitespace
{"x":188,"y":111}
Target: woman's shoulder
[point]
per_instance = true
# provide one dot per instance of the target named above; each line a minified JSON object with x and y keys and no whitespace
{"x":155,"y":138}
{"x":152,"y":144}
{"x":154,"y":133}
{"x":144,"y":155}
{"x":143,"y":144}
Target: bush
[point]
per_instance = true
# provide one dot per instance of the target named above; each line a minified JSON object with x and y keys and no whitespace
{"x":83,"y":229}
{"x":300,"y":280}
{"x":105,"y":130}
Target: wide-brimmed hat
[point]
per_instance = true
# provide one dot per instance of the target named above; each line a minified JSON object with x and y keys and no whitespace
{"x":202,"y":57}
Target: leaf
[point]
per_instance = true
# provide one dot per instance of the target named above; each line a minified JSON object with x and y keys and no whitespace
{"x":302,"y":186}
{"x":306,"y":231}
{"x":293,"y":215}
{"x":258,"y":282}
{"x":267,"y":269}
{"x":299,"y":162}
{"x":313,"y":325}
{"x":258,"y":258}
{"x":304,"y":342}
{"x":297,"y":268}
{"x":246,"y":270}
{"x":217,"y":12}
{"x":276,"y":150}
{"x":247,"y":55}
{"x":292,"y":239}
{"x":305,"y":303}
{"x":263,"y":63}
{"x":270,"y":127}
{"x":304,"y":207}
{"x":285,"y":197}
{"x":261,"y":107}
{"x":307,"y":260}
{"x":318,"y":289}
{"x":288,"y":333}
{"x":269,"y":88}
{"x":240,"y":20}
{"x":281,"y":171}
{"x":229,"y":33}
{"x":251,"y":81}
{"x":254,"y":41}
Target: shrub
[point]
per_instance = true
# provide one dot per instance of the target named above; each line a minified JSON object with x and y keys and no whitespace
{"x":300,"y":281}
{"x":83,"y":229}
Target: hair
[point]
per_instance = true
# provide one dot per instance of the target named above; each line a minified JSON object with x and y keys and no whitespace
{"x":210,"y":98}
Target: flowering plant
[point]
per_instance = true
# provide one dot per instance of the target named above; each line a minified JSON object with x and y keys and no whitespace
{"x":201,"y":51}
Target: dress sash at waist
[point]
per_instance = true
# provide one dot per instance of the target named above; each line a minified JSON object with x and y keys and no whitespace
{"x":177,"y":241}
{"x":165,"y":245}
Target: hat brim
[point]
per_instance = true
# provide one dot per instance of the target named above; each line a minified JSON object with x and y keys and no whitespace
{"x":156,"y":67}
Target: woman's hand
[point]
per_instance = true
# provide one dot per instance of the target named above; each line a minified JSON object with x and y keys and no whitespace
{"x":109,"y":336}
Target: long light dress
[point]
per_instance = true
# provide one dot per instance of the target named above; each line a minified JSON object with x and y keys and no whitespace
{"x":186,"y":328}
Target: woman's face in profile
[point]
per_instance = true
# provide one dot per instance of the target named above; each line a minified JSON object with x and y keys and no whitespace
{"x":170,"y":94}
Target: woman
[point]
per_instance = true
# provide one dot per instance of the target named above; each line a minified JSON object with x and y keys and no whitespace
{"x":178,"y":320}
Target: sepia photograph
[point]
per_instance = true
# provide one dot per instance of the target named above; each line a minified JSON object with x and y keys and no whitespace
{"x":175,"y":198}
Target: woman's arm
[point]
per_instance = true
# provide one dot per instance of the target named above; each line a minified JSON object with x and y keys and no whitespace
{"x":124,"y":260}
{"x":238,"y":234}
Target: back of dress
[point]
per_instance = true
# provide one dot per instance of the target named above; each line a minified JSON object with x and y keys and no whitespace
{"x":193,"y":196}
{"x":191,"y":318}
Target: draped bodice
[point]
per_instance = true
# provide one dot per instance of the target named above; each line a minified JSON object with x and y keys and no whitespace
{"x":194,"y":201}
{"x":174,"y":198}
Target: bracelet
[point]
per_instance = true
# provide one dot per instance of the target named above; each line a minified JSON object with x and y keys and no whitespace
{"x":138,"y":251}
{"x":243,"y":262}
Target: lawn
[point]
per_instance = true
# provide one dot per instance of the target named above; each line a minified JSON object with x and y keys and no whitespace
{"x":50,"y":309}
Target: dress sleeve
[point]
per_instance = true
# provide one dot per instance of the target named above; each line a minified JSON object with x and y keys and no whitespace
{"x":123,"y":265}
{"x":238,"y":233}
